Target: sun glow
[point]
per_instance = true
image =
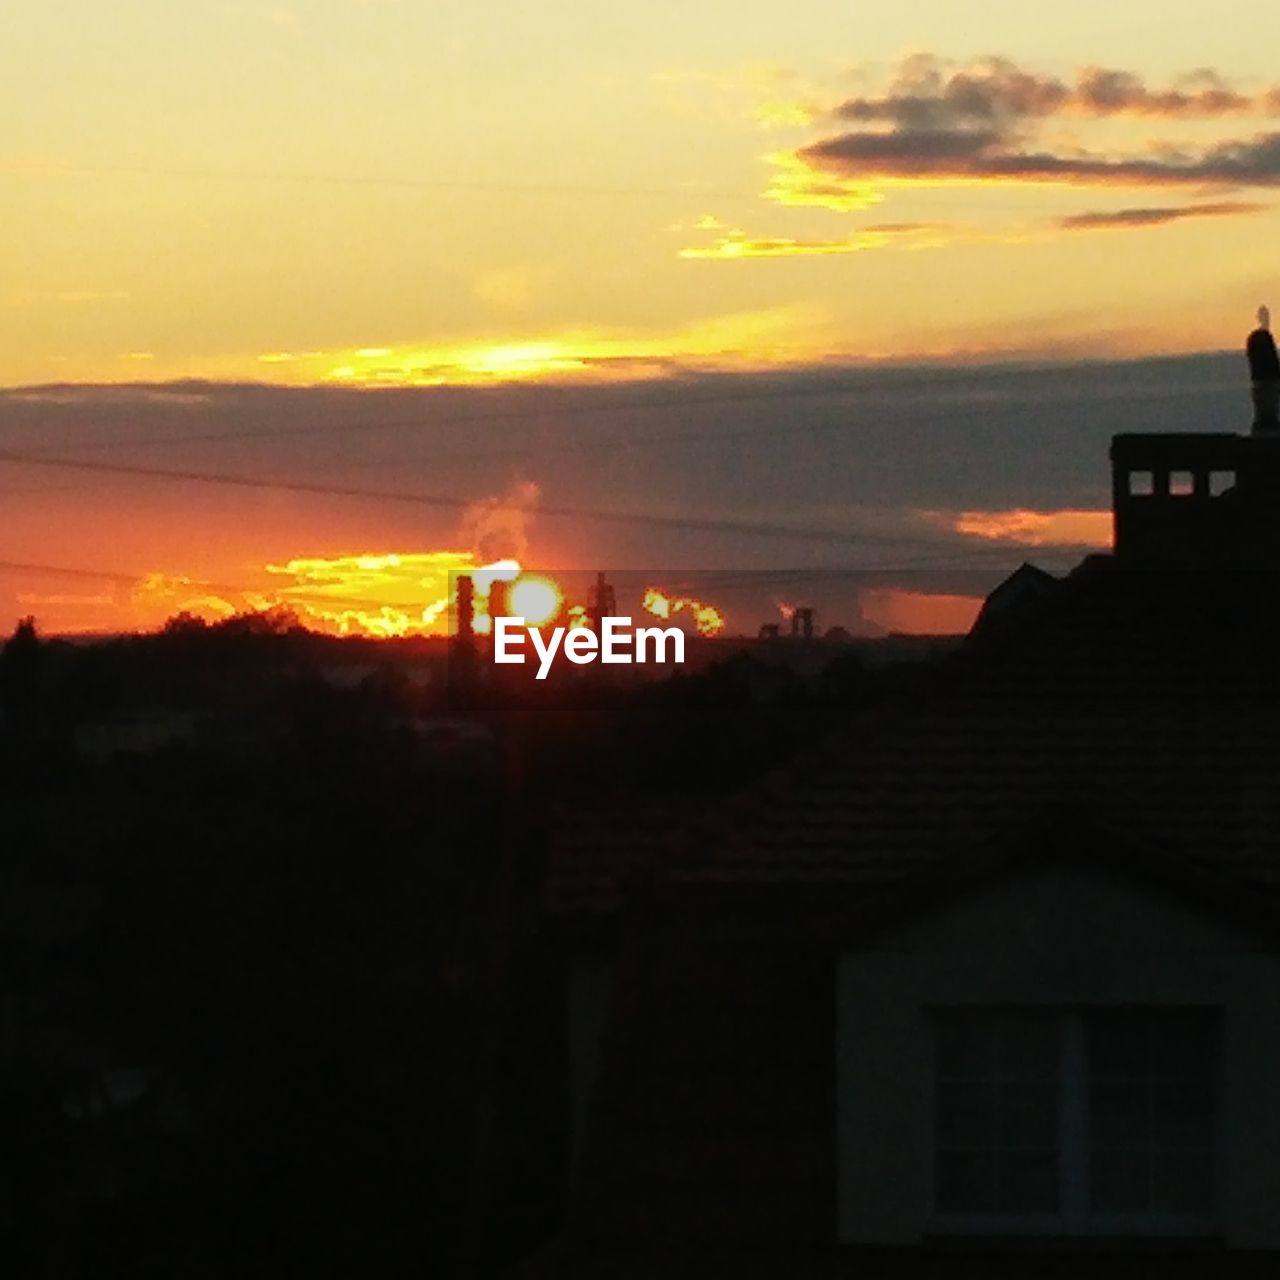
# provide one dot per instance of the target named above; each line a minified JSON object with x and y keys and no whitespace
{"x":392,"y":594}
{"x":536,"y":600}
{"x":707,"y":619}
{"x":405,"y":593}
{"x":776,"y":336}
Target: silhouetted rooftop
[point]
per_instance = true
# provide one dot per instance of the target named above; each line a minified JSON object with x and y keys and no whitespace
{"x":1129,"y":719}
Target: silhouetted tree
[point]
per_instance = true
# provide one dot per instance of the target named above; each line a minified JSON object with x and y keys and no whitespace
{"x":20,"y":666}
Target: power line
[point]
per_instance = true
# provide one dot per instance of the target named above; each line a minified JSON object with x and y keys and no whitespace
{"x":939,"y":549}
{"x":959,"y":561}
{"x":559,"y":511}
{"x":674,"y":579}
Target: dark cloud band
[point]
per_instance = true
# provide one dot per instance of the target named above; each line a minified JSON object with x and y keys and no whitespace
{"x":989,"y":121}
{"x":1120,"y":218}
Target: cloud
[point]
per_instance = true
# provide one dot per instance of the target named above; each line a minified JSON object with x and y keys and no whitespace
{"x":94,"y":396}
{"x":985,"y":154}
{"x":927,"y":94}
{"x":1116,"y":219}
{"x":736,"y":244}
{"x":496,"y":528}
{"x":209,"y":604}
{"x":903,"y":228}
{"x":784,"y":114}
{"x":44,"y":599}
{"x":1202,"y":94}
{"x":375,"y":593}
{"x":734,"y":340}
{"x":924,"y":96}
{"x":890,"y":609}
{"x":796,"y":184}
{"x":990,"y":122}
{"x":1026,"y":528}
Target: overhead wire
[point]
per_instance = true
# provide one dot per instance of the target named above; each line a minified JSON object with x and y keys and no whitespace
{"x":650,"y":520}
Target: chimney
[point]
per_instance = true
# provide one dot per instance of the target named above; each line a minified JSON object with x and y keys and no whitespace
{"x":602,"y":603}
{"x":460,"y":681}
{"x":1185,"y":498}
{"x":464,"y":631}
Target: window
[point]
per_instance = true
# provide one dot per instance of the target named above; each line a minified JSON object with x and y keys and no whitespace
{"x":1081,"y":1119}
{"x":1142,"y":484}
{"x":1150,"y":1078}
{"x":996,"y":1113}
{"x":1182,"y":484}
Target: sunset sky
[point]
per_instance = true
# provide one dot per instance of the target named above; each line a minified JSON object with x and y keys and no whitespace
{"x":345,"y":194}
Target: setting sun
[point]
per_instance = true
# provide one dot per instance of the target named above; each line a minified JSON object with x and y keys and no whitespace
{"x":536,"y":600}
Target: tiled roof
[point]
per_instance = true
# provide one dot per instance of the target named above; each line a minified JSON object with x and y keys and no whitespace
{"x":598,"y":853}
{"x":950,"y":778}
{"x":1164,"y":730}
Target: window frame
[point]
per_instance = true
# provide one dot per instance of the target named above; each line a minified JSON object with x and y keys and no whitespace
{"x":1074,"y":1217}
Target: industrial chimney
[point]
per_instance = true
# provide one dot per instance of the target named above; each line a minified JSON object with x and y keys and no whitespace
{"x":802,"y":624}
{"x":464,"y":631}
{"x":602,"y":603}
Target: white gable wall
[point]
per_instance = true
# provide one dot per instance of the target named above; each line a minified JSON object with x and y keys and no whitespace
{"x":1064,"y":937}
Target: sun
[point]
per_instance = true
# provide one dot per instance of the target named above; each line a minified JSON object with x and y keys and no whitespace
{"x":536,"y":600}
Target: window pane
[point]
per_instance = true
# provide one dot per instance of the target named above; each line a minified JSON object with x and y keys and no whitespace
{"x":1151,"y":1105}
{"x":1181,"y":1182}
{"x":1028,"y":1047}
{"x":966,"y":1115}
{"x":1118,"y":1182}
{"x":966,"y":1182}
{"x":1028,"y":1116}
{"x":1029,"y":1182}
{"x":1181,"y":1114}
{"x":1118,"y":1045}
{"x":996,"y":1111}
{"x":966,"y":1047}
{"x":1182,"y":1045}
{"x":1118,"y":1114}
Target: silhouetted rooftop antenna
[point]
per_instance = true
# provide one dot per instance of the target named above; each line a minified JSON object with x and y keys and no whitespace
{"x":1264,"y":374}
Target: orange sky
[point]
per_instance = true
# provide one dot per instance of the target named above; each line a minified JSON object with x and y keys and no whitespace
{"x":372,"y":194}
{"x":359,"y":191}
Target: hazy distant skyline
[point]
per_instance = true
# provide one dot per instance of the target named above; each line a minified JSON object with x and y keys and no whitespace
{"x":939,"y":481}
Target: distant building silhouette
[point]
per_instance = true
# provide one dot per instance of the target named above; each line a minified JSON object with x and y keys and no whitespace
{"x":802,"y":623}
{"x":1209,"y":498}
